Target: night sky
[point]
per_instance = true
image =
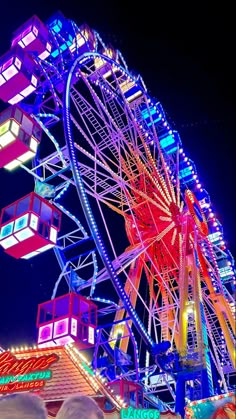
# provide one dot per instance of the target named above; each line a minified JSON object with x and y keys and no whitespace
{"x":185,"y":54}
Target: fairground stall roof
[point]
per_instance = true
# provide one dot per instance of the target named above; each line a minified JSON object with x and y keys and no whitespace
{"x":54,"y":373}
{"x":57,"y":372}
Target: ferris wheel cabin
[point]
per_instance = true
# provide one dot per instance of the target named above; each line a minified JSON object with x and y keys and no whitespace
{"x":29,"y":226}
{"x":33,"y":36}
{"x":68,"y":318}
{"x":19,"y":137}
{"x":18,"y":75}
{"x":84,"y":40}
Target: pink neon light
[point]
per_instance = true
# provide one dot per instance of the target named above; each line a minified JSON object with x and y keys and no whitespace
{"x":10,"y":72}
{"x":18,"y":63}
{"x":2,"y":80}
{"x":45,"y":333}
{"x":27,"y":90}
{"x":34,"y":81}
{"x":65,"y":340}
{"x":7,"y":64}
{"x":35,"y":30}
{"x":60,"y":328}
{"x":28,"y":38}
{"x":16,"y":40}
{"x":25,"y":32}
{"x":44,"y":55}
{"x":15,"y":99}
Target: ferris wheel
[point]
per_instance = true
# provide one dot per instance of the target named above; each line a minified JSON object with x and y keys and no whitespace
{"x":139,"y":236}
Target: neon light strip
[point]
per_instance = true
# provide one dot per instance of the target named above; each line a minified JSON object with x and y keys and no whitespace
{"x":88,"y":212}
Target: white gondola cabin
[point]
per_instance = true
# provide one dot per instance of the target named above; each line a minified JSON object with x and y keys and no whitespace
{"x":29,"y":226}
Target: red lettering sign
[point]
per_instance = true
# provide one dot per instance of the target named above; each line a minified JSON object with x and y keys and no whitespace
{"x":13,"y":387}
{"x":9,"y":364}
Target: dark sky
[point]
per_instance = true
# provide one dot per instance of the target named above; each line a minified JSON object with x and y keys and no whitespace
{"x":185,"y":54}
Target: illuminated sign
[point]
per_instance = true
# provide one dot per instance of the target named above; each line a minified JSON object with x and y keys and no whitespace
{"x":131,"y":413}
{"x":220,"y":406}
{"x":24,"y":374}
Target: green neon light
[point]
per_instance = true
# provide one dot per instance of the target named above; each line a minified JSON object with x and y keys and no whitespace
{"x":87,"y":368}
{"x":41,"y":375}
{"x":131,"y":413}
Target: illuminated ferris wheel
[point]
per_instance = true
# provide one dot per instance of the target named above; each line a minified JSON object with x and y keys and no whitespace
{"x":137,"y":234}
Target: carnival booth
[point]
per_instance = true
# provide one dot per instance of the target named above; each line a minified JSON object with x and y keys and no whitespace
{"x":58,"y":372}
{"x":54,"y":373}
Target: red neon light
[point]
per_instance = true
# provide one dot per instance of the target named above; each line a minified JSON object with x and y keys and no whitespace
{"x":13,"y":387}
{"x":10,"y":364}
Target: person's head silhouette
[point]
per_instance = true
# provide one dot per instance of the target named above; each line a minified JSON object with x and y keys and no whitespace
{"x":79,"y":407}
{"x":22,"y":406}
